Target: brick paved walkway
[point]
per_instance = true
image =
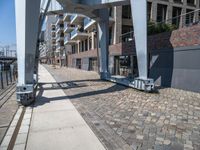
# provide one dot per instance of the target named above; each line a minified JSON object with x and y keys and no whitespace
{"x":125,"y":118}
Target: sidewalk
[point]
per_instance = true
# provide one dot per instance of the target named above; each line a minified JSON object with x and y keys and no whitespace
{"x":56,"y":124}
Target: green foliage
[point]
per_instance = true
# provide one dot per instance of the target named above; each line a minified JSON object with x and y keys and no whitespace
{"x":155,"y":28}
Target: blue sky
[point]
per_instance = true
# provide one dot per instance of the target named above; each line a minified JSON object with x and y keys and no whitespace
{"x":7,"y":22}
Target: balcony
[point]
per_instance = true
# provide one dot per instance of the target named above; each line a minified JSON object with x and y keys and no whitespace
{"x":59,"y":47}
{"x":67,"y":17}
{"x":77,"y":19}
{"x":53,"y":41}
{"x":88,"y":23}
{"x":60,"y":38}
{"x":59,"y":29}
{"x":53,"y":27}
{"x":78,"y":34}
{"x":59,"y":21}
{"x":68,"y":28}
{"x":68,"y":40}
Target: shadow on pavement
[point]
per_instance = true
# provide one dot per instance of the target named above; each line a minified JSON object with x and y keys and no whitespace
{"x":42,"y":100}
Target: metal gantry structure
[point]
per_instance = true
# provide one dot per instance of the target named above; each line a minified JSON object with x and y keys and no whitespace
{"x":29,"y":22}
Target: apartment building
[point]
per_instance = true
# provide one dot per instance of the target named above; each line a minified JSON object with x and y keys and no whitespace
{"x":43,"y":53}
{"x":74,"y":41}
{"x":81,"y":33}
{"x":50,"y":39}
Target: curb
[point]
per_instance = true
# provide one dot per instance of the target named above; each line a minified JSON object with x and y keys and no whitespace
{"x":17,"y":133}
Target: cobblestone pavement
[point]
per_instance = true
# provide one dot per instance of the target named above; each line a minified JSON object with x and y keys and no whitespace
{"x":8,"y":108}
{"x":124,"y":118}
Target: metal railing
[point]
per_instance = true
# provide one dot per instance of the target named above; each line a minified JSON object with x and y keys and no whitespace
{"x":67,"y":38}
{"x":8,"y":53}
{"x":87,"y":21}
{"x":8,"y":75}
{"x":184,"y":20}
{"x":75,"y":31}
{"x":72,"y":17}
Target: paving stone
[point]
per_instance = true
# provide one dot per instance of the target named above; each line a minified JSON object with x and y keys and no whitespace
{"x":19,"y":147}
{"x":166,"y":120}
{"x":21,"y":138}
{"x":24,"y":129}
{"x":6,"y":141}
{"x":139,"y":137}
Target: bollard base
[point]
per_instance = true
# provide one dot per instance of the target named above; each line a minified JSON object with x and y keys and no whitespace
{"x":144,"y":84}
{"x":25,"y":94}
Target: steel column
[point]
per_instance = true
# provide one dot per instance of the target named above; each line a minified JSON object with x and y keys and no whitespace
{"x":103,"y":35}
{"x":27,"y":22}
{"x":139,"y":15}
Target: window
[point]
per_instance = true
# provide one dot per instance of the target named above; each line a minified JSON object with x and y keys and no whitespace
{"x":191,"y":2}
{"x":111,"y":12}
{"x":189,"y":17}
{"x":78,"y":63}
{"x":90,"y":43}
{"x":82,"y":46}
{"x":86,"y":45}
{"x":73,"y":49}
{"x":149,"y":11}
{"x":61,"y":34}
{"x":110,"y":35}
{"x":126,"y":12}
{"x":178,"y":1}
{"x":61,"y":43}
{"x":161,"y":13}
{"x":176,"y":14}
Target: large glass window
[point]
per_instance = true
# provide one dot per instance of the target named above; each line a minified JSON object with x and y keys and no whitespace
{"x":161,"y":12}
{"x":90,"y":43}
{"x":191,"y":2}
{"x":86,"y":45}
{"x":189,"y":17}
{"x":126,"y":12}
{"x":78,"y":63}
{"x":176,"y":15}
{"x":149,"y":4}
{"x":110,"y":35}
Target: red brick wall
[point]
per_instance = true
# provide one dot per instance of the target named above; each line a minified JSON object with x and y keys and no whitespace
{"x":188,"y":36}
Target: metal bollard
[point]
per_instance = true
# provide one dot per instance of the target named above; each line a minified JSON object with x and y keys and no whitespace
{"x":11,"y":72}
{"x":1,"y":74}
{"x":6,"y":77}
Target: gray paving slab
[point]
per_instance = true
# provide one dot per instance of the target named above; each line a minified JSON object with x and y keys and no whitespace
{"x":58,"y":125}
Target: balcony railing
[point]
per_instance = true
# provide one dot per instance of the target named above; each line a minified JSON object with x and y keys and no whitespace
{"x":8,"y":53}
{"x":72,"y":17}
{"x":74,"y":32}
{"x":184,"y":20}
{"x":67,"y":38}
{"x":68,"y":27}
{"x":87,"y":21}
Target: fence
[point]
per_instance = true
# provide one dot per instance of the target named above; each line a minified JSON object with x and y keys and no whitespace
{"x":8,"y":75}
{"x":184,"y":20}
{"x":7,"y":52}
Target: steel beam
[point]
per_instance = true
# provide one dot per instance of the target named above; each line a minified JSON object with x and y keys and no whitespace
{"x":27,"y":22}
